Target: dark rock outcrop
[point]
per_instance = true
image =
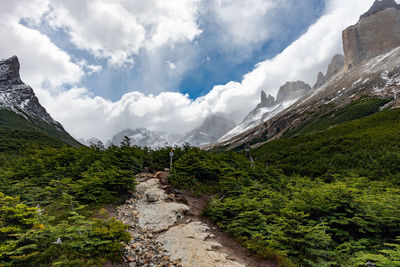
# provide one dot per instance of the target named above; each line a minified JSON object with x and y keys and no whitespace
{"x":379,"y":6}
{"x":267,"y":101}
{"x":376,"y":33}
{"x":320,"y":80}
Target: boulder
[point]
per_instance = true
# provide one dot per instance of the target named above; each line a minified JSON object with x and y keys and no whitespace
{"x":162,"y":177}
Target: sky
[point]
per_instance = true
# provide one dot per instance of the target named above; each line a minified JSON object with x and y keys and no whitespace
{"x":101,"y":66}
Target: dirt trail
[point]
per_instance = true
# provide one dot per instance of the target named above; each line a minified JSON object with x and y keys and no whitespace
{"x":168,"y":233}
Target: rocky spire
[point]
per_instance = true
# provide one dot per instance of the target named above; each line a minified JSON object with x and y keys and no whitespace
{"x":336,"y":64}
{"x":380,"y":5}
{"x":9,"y":70}
{"x":267,"y":101}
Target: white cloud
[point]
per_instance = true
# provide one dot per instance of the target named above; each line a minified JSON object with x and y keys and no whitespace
{"x":117,"y":30}
{"x":171,"y":65}
{"x":244,"y":22}
{"x":94,"y":69}
{"x":174,"y":112}
{"x":155,"y":25}
{"x":42,"y":62}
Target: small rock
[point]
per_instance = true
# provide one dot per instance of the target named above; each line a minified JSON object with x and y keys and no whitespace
{"x":153,"y":195}
{"x":130,"y":259}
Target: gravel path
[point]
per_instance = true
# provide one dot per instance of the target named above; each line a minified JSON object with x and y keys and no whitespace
{"x":162,"y":235}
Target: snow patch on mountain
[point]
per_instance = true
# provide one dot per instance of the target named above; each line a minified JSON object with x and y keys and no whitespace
{"x":19,"y":97}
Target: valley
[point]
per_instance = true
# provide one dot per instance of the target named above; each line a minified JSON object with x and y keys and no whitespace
{"x":309,"y":177}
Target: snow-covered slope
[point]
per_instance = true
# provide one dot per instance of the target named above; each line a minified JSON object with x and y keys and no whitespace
{"x":209,"y":132}
{"x":288,"y":94}
{"x":377,"y":77}
{"x":145,"y":138}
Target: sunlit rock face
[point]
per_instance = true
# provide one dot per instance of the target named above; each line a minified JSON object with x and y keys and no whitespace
{"x":377,"y":32}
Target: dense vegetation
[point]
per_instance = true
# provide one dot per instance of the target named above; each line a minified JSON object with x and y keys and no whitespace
{"x":322,"y":198}
{"x":51,"y":202}
{"x":17,"y":134}
{"x":326,"y":195}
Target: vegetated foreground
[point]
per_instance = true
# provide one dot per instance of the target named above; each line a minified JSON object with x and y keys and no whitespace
{"x":328,"y":196}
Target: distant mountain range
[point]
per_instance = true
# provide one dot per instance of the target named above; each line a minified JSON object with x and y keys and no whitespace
{"x":207,"y":133}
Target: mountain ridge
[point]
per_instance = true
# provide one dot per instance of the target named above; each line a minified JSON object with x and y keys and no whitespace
{"x":20,"y":98}
{"x":374,"y":72}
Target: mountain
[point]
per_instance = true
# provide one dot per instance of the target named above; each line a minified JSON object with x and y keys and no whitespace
{"x":371,"y":72}
{"x":143,"y":137}
{"x":380,"y":6}
{"x":269,"y":107}
{"x":22,"y":117}
{"x":336,"y":64}
{"x":376,"y":32}
{"x":213,"y":128}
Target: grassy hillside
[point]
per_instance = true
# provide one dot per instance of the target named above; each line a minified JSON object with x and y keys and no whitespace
{"x":367,"y":147}
{"x":17,"y":133}
{"x":356,"y":110}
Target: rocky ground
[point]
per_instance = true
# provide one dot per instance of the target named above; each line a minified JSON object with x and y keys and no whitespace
{"x":163,"y":236}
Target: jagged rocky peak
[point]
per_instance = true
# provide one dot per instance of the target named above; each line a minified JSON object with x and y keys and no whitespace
{"x":377,"y":32}
{"x":320,"y":80}
{"x":19,"y":97}
{"x":267,"y":101}
{"x":380,"y":5}
{"x":9,"y":70}
{"x":336,"y":64}
{"x":292,"y":90}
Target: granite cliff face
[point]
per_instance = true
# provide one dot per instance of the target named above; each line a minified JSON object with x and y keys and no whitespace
{"x":377,"y":32}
